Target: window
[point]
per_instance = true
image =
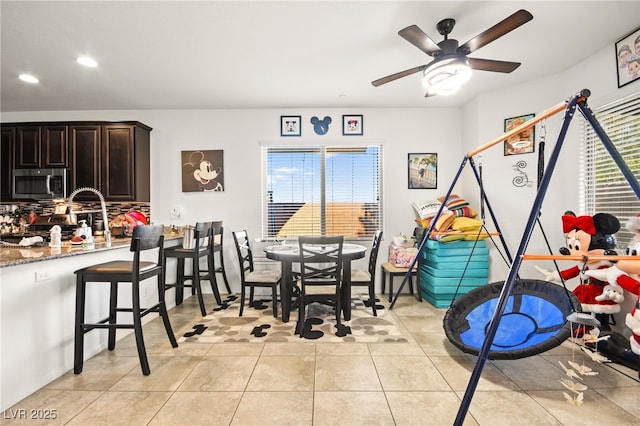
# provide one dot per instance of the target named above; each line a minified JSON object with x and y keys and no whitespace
{"x":322,"y":191}
{"x":604,"y":188}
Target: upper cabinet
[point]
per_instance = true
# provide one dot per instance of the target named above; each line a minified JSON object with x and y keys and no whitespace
{"x":125,"y":157}
{"x":6,"y":161}
{"x":41,"y":146}
{"x":85,"y":158}
{"x":111,"y":157}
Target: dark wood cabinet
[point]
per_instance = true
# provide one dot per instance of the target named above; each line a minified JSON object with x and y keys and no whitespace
{"x":125,"y":155}
{"x":54,"y":151}
{"x":41,"y":146}
{"x":111,"y":157}
{"x":84,"y":157}
{"x":27,"y":147}
{"x":7,"y":138}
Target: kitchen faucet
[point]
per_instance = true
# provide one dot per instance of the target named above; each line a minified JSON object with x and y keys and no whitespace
{"x":105,"y":218}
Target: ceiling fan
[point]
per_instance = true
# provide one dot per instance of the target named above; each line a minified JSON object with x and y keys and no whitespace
{"x":451,"y":65}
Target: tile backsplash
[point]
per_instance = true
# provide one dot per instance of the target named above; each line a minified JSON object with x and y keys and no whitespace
{"x":48,"y":207}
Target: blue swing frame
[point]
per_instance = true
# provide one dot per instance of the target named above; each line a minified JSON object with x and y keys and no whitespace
{"x":579,"y":102}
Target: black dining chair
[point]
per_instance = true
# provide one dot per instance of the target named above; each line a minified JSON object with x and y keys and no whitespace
{"x":251,"y":278}
{"x":195,"y":249}
{"x":218,"y":247}
{"x":124,"y":271}
{"x":367,"y":278}
{"x":320,"y":275}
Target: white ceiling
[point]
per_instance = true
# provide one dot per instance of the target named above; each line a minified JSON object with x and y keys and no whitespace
{"x":263,"y":54}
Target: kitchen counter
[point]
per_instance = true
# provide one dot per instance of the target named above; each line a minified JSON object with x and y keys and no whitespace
{"x":11,"y":256}
{"x":37,"y":305}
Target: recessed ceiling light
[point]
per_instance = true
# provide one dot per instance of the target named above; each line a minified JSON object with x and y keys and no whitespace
{"x":28,"y":78}
{"x":87,"y":61}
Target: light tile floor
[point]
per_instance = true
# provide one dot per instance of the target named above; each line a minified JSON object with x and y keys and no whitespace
{"x":417,"y":383}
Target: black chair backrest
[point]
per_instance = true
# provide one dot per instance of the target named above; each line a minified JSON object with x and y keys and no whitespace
{"x":320,"y":260}
{"x":217,"y":229}
{"x":147,"y":237}
{"x":202,"y":235}
{"x":243,"y":248}
{"x":373,"y":257}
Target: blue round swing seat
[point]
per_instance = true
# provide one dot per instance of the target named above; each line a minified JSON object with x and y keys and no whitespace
{"x":534,"y":319}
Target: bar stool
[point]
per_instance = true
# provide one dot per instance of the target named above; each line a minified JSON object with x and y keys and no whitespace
{"x":194,"y":249}
{"x":124,"y":271}
{"x":218,"y":247}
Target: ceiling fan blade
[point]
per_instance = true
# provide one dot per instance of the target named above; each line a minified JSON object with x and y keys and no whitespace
{"x":419,"y":39}
{"x":501,"y":28}
{"x":491,"y":65}
{"x":397,"y":75}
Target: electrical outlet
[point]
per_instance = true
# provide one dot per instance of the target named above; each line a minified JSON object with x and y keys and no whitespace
{"x":175,"y":214}
{"x":145,"y":291}
{"x":43,"y":276}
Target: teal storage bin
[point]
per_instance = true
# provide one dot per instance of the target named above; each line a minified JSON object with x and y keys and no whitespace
{"x":452,"y":283}
{"x":437,"y":245}
{"x":452,"y":273}
{"x":480,"y":254}
{"x":457,"y":266}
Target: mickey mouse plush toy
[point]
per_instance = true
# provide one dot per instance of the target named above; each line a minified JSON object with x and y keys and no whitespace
{"x":590,"y":236}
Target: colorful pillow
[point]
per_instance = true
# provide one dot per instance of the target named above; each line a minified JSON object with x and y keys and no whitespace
{"x":449,"y":236}
{"x":453,"y":202}
{"x":465,"y":211}
{"x":465,"y":224}
{"x":444,"y":221}
{"x":483,"y":235}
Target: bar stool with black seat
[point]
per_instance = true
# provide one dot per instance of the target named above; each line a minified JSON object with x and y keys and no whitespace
{"x":320,"y":275}
{"x":124,"y":271}
{"x":194,"y":249}
{"x":218,"y":247}
{"x":251,"y":278}
{"x":362,"y":278}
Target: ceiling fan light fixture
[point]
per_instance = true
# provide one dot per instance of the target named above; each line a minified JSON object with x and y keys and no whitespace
{"x":445,"y":77}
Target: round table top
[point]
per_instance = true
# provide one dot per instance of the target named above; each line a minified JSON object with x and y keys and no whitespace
{"x":291,"y":252}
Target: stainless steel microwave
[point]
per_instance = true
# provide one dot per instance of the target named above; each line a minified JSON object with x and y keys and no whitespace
{"x":40,"y":184}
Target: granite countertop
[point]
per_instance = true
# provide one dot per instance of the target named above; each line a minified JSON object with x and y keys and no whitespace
{"x":11,"y":256}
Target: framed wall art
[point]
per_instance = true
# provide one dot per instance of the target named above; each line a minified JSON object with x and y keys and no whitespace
{"x":628,"y":58}
{"x":523,"y":142}
{"x":290,"y":125}
{"x":202,"y":171}
{"x":423,"y":171}
{"x":352,"y":125}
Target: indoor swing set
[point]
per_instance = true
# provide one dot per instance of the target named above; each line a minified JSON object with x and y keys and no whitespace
{"x":473,"y":322}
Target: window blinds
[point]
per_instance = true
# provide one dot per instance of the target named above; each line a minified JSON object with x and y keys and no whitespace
{"x":322,"y":191}
{"x":604,"y":188}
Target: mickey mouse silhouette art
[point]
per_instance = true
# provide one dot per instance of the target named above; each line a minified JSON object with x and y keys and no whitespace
{"x":201,"y":174}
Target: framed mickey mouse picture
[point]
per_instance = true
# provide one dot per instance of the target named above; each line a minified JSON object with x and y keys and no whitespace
{"x":290,"y":125}
{"x":352,"y":125}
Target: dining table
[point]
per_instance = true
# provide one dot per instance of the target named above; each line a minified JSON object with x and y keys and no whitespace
{"x":288,"y":254}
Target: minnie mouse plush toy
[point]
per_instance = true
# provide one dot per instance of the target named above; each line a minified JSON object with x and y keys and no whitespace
{"x":626,"y":273}
{"x":590,"y":236}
